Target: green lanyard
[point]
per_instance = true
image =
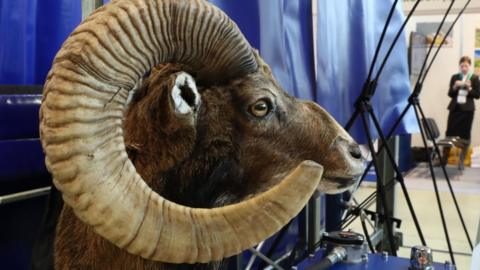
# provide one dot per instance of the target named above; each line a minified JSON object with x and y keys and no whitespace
{"x":469,"y":75}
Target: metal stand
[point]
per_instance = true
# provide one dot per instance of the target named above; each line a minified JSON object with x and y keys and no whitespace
{"x":365,"y":110}
{"x":88,"y":6}
{"x":310,"y":232}
{"x":24,"y":195}
{"x":388,"y":175}
{"x":314,"y":227}
{"x":413,"y":100}
{"x":425,"y":131}
{"x":418,"y":109}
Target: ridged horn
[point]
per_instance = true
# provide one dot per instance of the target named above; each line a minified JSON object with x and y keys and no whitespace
{"x":81,"y":131}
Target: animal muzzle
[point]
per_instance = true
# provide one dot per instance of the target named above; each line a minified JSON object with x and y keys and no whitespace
{"x":344,"y":165}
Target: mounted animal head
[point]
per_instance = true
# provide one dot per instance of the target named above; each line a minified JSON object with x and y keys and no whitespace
{"x":218,"y":102}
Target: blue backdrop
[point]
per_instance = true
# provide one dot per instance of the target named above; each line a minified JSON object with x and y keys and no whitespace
{"x":32,"y":31}
{"x":282,"y":31}
{"x":347,"y":35}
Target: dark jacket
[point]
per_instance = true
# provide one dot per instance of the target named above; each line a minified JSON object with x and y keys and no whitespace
{"x":453,"y":92}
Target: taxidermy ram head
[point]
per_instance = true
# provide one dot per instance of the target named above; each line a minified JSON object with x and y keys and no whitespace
{"x":210,"y":122}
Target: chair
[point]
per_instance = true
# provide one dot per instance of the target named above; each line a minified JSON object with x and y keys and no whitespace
{"x":434,"y":135}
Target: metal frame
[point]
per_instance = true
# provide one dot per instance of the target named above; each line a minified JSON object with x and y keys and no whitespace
{"x":314,"y":228}
{"x":88,"y":6}
{"x":24,"y":195}
{"x":388,"y":174}
{"x":310,"y":233}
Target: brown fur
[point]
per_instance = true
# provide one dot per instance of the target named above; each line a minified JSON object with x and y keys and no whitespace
{"x":219,"y":155}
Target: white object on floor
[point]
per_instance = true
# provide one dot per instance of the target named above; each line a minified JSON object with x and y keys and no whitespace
{"x":475,"y":258}
{"x":475,"y":157}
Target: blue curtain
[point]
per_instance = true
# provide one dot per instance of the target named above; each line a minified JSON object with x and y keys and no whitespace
{"x":31,"y":32}
{"x":347,"y":35}
{"x":282,"y":31}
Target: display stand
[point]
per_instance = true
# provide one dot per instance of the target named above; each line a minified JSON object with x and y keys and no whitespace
{"x":364,"y":109}
{"x":413,"y":101}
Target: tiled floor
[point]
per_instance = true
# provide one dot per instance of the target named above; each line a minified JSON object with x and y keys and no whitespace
{"x":467,"y":191}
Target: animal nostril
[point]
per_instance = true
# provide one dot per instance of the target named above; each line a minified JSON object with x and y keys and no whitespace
{"x":355,"y":151}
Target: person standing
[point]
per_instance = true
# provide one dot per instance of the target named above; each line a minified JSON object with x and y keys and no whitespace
{"x":464,"y":88}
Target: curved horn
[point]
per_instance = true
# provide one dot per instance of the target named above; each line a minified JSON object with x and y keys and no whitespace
{"x":81,"y":130}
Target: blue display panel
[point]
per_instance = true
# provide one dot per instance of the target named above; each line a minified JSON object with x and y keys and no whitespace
{"x":375,"y":262}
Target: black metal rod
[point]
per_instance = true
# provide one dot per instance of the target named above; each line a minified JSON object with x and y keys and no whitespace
{"x":389,"y":136}
{"x":279,"y":236}
{"x":401,"y":180}
{"x":380,"y":186}
{"x":374,"y":60}
{"x":397,"y":123}
{"x":443,"y":40}
{"x":419,"y":82}
{"x":380,"y":41}
{"x":447,"y":178}
{"x":365,"y":232}
{"x":400,"y":118}
{"x":370,"y":86}
{"x":355,"y":114}
{"x":415,"y":94}
{"x":368,"y":81}
{"x":399,"y":176}
{"x":394,"y":42}
{"x":437,"y":194}
{"x":365,"y":204}
{"x":434,"y":39}
{"x":352,"y":119}
{"x":350,"y":123}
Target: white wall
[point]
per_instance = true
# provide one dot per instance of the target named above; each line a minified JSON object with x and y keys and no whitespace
{"x":434,"y":98}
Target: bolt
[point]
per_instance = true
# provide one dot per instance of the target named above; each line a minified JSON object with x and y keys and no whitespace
{"x":385,"y":255}
{"x":364,"y":258}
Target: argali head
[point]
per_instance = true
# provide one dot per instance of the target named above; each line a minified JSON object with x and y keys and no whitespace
{"x":82,"y":130}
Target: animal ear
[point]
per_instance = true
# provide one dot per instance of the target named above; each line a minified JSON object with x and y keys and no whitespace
{"x":185,"y":97}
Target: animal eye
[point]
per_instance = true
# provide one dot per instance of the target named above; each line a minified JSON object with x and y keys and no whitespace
{"x":260,"y":108}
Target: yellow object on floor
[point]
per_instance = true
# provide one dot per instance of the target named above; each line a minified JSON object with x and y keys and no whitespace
{"x":454,"y":155}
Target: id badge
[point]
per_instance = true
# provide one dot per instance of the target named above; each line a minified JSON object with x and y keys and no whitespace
{"x":462,"y":96}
